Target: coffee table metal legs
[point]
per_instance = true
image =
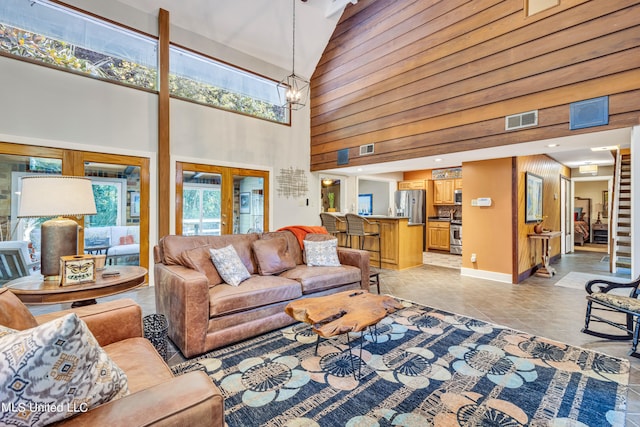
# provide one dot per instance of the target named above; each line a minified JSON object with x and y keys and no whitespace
{"x":353,"y":368}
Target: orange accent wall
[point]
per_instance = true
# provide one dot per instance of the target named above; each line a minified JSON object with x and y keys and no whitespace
{"x":487,"y":231}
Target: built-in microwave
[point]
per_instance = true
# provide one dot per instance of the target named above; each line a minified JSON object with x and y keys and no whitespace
{"x":457,"y":197}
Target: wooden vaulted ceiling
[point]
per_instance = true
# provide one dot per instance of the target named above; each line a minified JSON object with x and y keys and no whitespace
{"x":428,"y":77}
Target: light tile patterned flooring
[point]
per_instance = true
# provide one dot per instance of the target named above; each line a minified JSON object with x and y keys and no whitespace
{"x":534,"y":306}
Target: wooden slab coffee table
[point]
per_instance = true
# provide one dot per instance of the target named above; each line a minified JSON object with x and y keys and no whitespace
{"x":341,"y":313}
{"x":348,"y":311}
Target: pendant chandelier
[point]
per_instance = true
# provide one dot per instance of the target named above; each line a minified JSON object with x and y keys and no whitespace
{"x":293,"y":90}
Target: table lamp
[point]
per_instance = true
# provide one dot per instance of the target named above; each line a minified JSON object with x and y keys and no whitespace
{"x":56,"y":196}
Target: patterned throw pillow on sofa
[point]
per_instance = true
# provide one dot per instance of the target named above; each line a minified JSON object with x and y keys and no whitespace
{"x":322,"y":253}
{"x":229,"y":265}
{"x":54,"y":371}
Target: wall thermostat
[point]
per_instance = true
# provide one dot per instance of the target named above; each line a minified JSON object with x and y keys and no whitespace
{"x":484,"y":201}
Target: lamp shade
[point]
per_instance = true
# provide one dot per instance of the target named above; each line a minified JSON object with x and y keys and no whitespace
{"x":56,"y":195}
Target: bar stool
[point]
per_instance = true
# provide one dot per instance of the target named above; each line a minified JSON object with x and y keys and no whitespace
{"x":335,"y":226}
{"x":360,"y":227}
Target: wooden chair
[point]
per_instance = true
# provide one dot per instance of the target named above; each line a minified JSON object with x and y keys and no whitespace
{"x":360,"y":227}
{"x":599,"y":298}
{"x":335,"y":226}
{"x":15,"y":261}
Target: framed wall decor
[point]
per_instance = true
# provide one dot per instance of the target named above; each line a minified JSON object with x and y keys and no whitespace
{"x":245,"y":203}
{"x":533,"y":197}
{"x":135,"y":204}
{"x":605,"y":204}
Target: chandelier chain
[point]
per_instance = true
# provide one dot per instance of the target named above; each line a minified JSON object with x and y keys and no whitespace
{"x":293,"y":66}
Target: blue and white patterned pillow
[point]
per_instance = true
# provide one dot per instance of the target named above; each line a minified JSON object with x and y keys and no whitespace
{"x":322,"y":253}
{"x":54,"y":371}
{"x":229,"y":265}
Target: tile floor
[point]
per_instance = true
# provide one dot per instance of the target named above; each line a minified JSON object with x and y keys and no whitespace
{"x":535,"y":306}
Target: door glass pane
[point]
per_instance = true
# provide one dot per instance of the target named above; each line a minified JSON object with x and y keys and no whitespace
{"x":248,"y":204}
{"x":201,"y":204}
{"x":12,"y":229}
{"x":115,"y":230}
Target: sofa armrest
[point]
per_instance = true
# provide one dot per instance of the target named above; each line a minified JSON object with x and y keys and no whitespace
{"x":187,"y":400}
{"x":182,"y":295}
{"x":356,"y":258}
{"x":109,"y":322}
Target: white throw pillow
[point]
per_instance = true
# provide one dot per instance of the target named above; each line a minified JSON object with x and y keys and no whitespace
{"x":229,"y":265}
{"x":323,"y":253}
{"x":54,"y":371}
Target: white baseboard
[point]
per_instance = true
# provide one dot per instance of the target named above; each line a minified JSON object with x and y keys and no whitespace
{"x":488,"y":275}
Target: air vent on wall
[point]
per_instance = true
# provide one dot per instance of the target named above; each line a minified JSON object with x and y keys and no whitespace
{"x":522,"y":120}
{"x":366,"y":149}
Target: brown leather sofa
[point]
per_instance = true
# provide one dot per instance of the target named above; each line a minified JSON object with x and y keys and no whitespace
{"x":205,"y":313}
{"x":156,"y":398}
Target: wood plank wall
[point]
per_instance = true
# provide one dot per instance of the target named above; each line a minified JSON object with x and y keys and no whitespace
{"x":529,"y":251}
{"x":427,"y":77}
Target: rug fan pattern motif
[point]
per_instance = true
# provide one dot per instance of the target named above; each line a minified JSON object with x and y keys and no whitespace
{"x":420,"y":366}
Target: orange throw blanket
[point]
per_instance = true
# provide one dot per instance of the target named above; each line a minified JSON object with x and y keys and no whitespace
{"x":300,"y":231}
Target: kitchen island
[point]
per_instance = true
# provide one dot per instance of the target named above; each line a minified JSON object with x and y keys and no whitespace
{"x":401,"y":241}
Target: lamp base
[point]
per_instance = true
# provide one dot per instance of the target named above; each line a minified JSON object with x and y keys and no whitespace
{"x":59,"y":237}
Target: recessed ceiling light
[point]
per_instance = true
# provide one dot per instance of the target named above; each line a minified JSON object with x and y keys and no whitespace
{"x":437,"y":160}
{"x":606,"y":148}
{"x":359,"y":170}
{"x":553,"y":145}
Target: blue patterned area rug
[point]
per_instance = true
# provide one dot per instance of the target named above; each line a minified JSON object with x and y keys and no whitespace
{"x":420,"y":367}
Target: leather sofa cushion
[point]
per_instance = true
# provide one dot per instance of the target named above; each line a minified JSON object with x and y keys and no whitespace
{"x":140,"y":362}
{"x":199,"y":259}
{"x":272,"y":256}
{"x":174,"y":246}
{"x":315,"y":279}
{"x":293,"y":247}
{"x":257,"y":291}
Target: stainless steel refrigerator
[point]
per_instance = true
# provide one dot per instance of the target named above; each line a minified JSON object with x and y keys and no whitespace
{"x":411,"y":203}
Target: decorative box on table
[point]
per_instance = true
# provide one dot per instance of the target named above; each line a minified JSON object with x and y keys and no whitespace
{"x":75,"y":269}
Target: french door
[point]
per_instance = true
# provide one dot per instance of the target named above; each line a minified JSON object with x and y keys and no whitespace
{"x":215,"y":200}
{"x":121,"y":187}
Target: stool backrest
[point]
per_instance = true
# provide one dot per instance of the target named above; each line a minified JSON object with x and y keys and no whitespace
{"x":330,"y":222}
{"x":355,"y":224}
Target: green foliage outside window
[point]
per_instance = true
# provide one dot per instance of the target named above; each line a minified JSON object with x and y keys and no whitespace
{"x":106,"y":197}
{"x":25,"y":44}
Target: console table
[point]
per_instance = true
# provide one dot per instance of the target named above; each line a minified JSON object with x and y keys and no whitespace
{"x":546,"y":270}
{"x":35,"y":290}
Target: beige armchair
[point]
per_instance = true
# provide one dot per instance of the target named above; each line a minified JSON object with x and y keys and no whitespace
{"x":156,"y":398}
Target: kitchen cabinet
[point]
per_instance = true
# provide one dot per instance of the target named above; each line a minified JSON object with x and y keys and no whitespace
{"x":401,"y":243}
{"x":415,"y":184}
{"x":438,"y":235}
{"x":457,"y":184}
{"x":443,"y":192}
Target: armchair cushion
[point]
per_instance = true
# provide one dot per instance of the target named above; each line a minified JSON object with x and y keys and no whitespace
{"x":13,"y":313}
{"x":272,"y":256}
{"x":56,"y":370}
{"x":617,"y":301}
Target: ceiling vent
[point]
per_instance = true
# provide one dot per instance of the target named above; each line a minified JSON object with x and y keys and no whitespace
{"x":366,"y":149}
{"x":522,"y":120}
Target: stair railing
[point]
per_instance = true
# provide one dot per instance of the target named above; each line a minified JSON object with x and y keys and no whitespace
{"x":613,"y":214}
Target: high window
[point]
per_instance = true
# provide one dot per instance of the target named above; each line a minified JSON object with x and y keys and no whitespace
{"x":206,"y":81}
{"x":48,"y":33}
